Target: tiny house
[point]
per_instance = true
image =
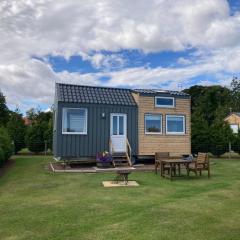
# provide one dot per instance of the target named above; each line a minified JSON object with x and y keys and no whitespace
{"x":89,"y":119}
{"x":233,"y":119}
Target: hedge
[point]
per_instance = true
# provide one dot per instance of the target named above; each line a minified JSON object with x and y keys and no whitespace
{"x":6,"y":147}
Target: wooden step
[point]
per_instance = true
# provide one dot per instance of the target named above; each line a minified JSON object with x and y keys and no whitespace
{"x":120,"y":162}
{"x":119,"y":155}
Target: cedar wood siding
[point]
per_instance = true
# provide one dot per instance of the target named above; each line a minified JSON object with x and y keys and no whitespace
{"x":175,"y":144}
{"x":98,"y":130}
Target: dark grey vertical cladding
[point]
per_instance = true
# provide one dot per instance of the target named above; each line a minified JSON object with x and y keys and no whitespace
{"x":55,"y":127}
{"x":98,"y":130}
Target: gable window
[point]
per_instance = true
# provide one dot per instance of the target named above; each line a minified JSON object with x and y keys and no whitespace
{"x":153,"y":124}
{"x":175,"y":124}
{"x":234,"y":128}
{"x":74,"y":121}
{"x":165,"y":102}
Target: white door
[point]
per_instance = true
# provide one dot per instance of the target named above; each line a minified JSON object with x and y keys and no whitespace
{"x":118,"y":131}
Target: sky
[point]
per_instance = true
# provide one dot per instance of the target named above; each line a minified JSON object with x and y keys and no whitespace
{"x":165,"y":44}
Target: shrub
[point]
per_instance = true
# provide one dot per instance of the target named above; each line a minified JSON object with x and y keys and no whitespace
{"x":35,"y":138}
{"x":2,"y":160}
{"x":48,"y":135}
{"x":5,"y":145}
{"x":220,"y":135}
{"x":16,"y":129}
{"x":236,"y":143}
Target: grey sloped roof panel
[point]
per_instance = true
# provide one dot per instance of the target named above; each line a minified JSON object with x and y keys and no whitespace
{"x":95,"y":95}
{"x":159,"y":91}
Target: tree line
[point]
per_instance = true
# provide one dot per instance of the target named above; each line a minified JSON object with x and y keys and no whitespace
{"x":210,"y":105}
{"x":17,"y":132}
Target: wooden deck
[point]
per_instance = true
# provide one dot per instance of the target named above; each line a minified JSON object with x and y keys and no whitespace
{"x":59,"y":168}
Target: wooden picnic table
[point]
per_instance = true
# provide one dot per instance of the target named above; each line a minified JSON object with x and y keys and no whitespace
{"x":122,"y":175}
{"x":174,"y":164}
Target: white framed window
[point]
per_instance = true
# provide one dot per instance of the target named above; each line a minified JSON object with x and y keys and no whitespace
{"x":175,"y":124}
{"x":153,"y":123}
{"x":234,"y":128}
{"x":74,"y":121}
{"x":165,"y":102}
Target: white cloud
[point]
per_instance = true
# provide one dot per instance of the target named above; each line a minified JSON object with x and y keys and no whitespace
{"x":184,"y":61}
{"x":107,"y":62}
{"x":74,"y":27}
{"x":40,"y":28}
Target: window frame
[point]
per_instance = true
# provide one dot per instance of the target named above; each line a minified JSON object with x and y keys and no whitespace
{"x":124,"y":115}
{"x":64,"y":109}
{"x":161,"y":124}
{"x":164,"y":106}
{"x":184,"y":125}
{"x":234,"y":124}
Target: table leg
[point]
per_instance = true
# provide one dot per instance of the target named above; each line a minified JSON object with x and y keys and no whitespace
{"x":171,"y":171}
{"x":187,"y":167}
{"x":179,"y":169}
{"x":161,"y":168}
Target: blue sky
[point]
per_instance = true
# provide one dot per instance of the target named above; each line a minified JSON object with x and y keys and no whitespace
{"x":133,"y":58}
{"x":156,"y":44}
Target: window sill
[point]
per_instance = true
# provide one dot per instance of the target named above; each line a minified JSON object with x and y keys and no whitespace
{"x":152,"y":133}
{"x":176,"y":134}
{"x":73,"y":133}
{"x":161,"y":106}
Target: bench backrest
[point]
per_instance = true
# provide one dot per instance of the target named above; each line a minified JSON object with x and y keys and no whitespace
{"x":202,"y":158}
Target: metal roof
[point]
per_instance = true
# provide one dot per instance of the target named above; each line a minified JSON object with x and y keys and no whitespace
{"x":95,"y":95}
{"x":160,"y":91}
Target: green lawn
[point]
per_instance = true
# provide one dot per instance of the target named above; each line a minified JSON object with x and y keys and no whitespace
{"x":37,"y":204}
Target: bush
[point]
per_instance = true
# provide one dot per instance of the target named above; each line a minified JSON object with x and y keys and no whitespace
{"x":236,"y":143}
{"x":5,"y":145}
{"x":2,"y":160}
{"x":48,"y":135}
{"x":220,"y":135}
{"x":35,"y":138}
{"x":16,"y":129}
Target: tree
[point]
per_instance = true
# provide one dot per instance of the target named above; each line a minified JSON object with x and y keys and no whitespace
{"x":200,"y":134}
{"x":3,"y":110}
{"x":17,"y":130}
{"x":35,"y":138}
{"x":6,"y":147}
{"x":236,"y":143}
{"x":48,"y":134}
{"x":235,"y":94}
{"x":220,"y":136}
{"x":209,"y":106}
{"x":36,"y":115}
{"x":210,"y":101}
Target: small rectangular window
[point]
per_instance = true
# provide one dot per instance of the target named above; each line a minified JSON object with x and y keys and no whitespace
{"x":115,"y":125}
{"x":165,"y":102}
{"x":153,"y":124}
{"x":74,"y":121}
{"x":234,"y":128}
{"x":121,"y":125}
{"x":175,"y":124}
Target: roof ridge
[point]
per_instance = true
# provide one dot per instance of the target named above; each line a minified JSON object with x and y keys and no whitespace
{"x":94,"y":86}
{"x":158,"y":89}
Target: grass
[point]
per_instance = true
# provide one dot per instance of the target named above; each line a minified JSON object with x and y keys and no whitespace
{"x":37,"y":204}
